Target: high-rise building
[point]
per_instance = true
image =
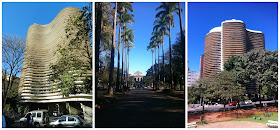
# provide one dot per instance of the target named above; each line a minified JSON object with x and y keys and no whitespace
{"x":201,"y":66}
{"x":192,"y":78}
{"x":231,"y":39}
{"x":37,"y":92}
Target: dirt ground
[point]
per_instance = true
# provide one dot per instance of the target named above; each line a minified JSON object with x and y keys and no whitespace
{"x":232,"y":124}
{"x":228,"y":115}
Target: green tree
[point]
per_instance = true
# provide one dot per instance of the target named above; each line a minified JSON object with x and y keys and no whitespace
{"x":162,"y":27}
{"x":229,"y":65}
{"x":261,"y":68}
{"x":106,"y":32}
{"x":123,"y":17}
{"x":178,"y":63}
{"x":127,"y":19}
{"x":224,"y":86}
{"x":128,"y":39}
{"x":166,"y":14}
{"x":75,"y":55}
{"x":180,"y":11}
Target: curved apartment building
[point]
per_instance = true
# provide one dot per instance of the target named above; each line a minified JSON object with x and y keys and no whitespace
{"x":41,"y":44}
{"x":212,"y":52}
{"x":256,"y":40}
{"x":231,"y":39}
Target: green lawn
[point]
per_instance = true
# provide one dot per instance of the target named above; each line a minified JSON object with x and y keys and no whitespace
{"x":263,"y":120}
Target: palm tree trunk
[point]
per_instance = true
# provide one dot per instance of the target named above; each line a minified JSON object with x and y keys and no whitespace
{"x":97,"y":43}
{"x":118,"y":70}
{"x":170,"y":57}
{"x":128,"y":67}
{"x":155,"y":68}
{"x":182,"y":42}
{"x":153,"y":65}
{"x":163,"y":57}
{"x":111,"y":75}
{"x":122,"y":75}
{"x":125,"y":73}
{"x":158,"y":69}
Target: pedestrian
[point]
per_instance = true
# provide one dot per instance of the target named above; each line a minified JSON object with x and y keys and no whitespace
{"x":28,"y":118}
{"x":30,"y":122}
{"x":202,"y":119}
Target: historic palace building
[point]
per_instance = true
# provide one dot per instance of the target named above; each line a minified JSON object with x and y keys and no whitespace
{"x":37,"y":92}
{"x":231,"y":39}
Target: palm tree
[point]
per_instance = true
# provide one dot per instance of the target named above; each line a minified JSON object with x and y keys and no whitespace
{"x":110,"y":88}
{"x":97,"y":41}
{"x":166,"y":14}
{"x":128,"y":39}
{"x":161,"y":26}
{"x":157,"y":39}
{"x":127,"y":19}
{"x":182,"y":38}
{"x":122,"y":8}
{"x":152,"y":48}
{"x":128,"y":49}
{"x":153,"y":44}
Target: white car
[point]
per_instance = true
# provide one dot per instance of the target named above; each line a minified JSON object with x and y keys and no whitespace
{"x":248,"y":102}
{"x":40,"y":118}
{"x":67,"y":121}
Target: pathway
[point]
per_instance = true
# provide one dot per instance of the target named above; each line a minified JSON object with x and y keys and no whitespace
{"x":142,"y":109}
{"x":234,"y":124}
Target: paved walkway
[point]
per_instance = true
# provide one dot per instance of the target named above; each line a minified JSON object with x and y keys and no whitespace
{"x":142,"y":109}
{"x":234,"y":124}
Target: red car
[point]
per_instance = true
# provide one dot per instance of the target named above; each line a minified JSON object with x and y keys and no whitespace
{"x":234,"y":103}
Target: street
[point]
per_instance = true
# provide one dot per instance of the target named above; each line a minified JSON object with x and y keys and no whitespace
{"x":142,"y":109}
{"x":221,"y":106}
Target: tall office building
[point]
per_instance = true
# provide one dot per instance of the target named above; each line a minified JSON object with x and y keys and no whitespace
{"x":37,"y":92}
{"x":231,"y":39}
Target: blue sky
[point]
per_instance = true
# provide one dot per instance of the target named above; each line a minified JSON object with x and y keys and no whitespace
{"x":17,"y":17}
{"x":139,"y":58}
{"x":203,"y":16}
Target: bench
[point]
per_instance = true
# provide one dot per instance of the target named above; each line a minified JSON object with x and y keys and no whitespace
{"x":272,"y":124}
{"x":192,"y":124}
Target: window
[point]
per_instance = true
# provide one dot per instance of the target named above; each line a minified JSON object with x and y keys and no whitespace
{"x":39,"y":114}
{"x":71,"y":119}
{"x":33,"y":114}
{"x":62,"y":118}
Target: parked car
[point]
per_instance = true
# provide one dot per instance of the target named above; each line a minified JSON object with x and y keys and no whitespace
{"x":68,"y":121}
{"x":248,"y":102}
{"x":234,"y":103}
{"x":242,"y":103}
{"x":40,"y":118}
